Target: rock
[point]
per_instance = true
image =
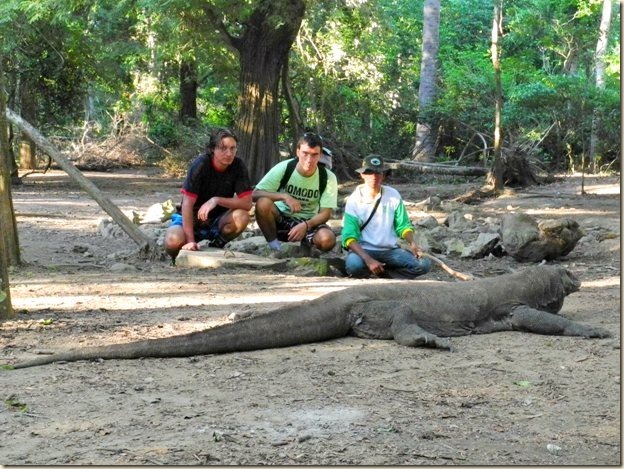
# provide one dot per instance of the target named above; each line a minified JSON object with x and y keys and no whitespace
{"x":458,"y":221}
{"x":454,"y":247}
{"x":156,"y":213}
{"x":526,"y":240}
{"x":553,"y":449}
{"x":108,"y":229}
{"x":250,"y":245}
{"x":428,"y":222}
{"x":308,"y":267}
{"x":427,"y":242}
{"x":121,"y":267}
{"x":212,"y":258}
{"x":482,"y":246}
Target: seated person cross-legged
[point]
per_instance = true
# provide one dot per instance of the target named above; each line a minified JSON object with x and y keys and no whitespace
{"x":374,"y":220}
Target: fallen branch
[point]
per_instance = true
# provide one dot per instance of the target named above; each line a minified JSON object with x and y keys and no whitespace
{"x":146,"y":244}
{"x":437,"y":168}
{"x":447,"y":269}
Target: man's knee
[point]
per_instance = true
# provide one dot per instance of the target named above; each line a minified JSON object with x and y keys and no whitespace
{"x":419,"y":267}
{"x":324,"y":239}
{"x":174,"y":238}
{"x":425,"y":264}
{"x":355,"y":266}
{"x":240,"y":218}
{"x":264,"y":206}
{"x":234,"y":223}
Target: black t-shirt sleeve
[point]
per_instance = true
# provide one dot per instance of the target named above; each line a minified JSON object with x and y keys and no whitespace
{"x":242,"y":182}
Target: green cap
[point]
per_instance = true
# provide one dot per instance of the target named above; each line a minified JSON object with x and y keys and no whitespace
{"x":374,"y":163}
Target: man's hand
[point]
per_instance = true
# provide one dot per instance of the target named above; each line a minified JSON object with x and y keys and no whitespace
{"x":416,"y":249}
{"x":193,"y":246}
{"x":298,"y":232}
{"x":375,"y":266}
{"x":294,"y":204}
{"x":204,"y":210}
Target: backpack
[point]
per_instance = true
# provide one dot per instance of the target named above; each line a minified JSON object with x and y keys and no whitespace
{"x":290,"y":167}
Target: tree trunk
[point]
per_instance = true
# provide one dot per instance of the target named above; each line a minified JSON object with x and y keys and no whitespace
{"x":264,"y":48}
{"x":601,"y":48}
{"x":27,"y":148}
{"x":145,"y":243}
{"x":424,"y":148}
{"x":496,"y":178}
{"x":188,"y":90}
{"x":294,"y":112}
{"x":9,"y":249}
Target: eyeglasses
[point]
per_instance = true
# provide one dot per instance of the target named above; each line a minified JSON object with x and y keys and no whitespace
{"x":312,"y":139}
{"x":312,"y":135}
{"x":370,"y":171}
{"x":225,"y":149}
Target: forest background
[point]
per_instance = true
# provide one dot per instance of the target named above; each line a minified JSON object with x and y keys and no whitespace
{"x":81,"y":70}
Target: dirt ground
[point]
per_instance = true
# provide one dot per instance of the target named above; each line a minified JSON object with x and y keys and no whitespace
{"x":500,"y":399}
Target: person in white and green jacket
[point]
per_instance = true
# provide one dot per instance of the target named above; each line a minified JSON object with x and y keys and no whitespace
{"x":374,"y":220}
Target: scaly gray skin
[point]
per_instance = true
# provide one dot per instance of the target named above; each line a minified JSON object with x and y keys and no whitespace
{"x":412,"y":313}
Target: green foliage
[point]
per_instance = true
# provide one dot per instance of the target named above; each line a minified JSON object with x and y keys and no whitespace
{"x":357,"y":76}
{"x":354,"y":71}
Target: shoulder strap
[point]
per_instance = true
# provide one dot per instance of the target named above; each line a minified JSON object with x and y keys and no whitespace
{"x":290,"y":167}
{"x":372,"y":213}
{"x":322,"y":179}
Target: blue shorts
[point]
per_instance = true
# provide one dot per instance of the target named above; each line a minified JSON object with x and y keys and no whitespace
{"x":209,"y":231}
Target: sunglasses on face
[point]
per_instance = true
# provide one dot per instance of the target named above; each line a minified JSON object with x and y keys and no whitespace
{"x":312,"y":135}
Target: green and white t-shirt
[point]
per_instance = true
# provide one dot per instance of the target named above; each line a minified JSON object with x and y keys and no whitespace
{"x":389,"y":223}
{"x":304,"y":189}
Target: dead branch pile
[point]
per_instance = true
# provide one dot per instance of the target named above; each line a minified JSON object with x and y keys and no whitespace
{"x":132,"y":148}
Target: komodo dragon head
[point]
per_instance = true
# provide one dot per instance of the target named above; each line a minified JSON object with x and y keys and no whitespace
{"x":570,"y":282}
{"x":562,"y":283}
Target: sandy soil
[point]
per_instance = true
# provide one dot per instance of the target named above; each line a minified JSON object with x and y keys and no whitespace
{"x":500,"y":399}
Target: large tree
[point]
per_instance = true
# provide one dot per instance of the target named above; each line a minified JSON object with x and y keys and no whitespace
{"x":424,"y":149}
{"x":263,"y":40}
{"x":496,"y":175}
{"x":9,"y":250}
{"x":599,"y":74}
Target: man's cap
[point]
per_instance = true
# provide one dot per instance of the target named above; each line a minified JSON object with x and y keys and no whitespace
{"x":374,"y":163}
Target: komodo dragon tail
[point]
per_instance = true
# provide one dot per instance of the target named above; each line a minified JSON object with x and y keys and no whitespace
{"x":279,"y":328}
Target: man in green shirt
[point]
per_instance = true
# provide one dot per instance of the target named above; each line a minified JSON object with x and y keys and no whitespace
{"x":298,"y":209}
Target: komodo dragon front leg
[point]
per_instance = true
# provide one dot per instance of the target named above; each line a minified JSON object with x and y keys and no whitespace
{"x":524,"y":318}
{"x":383,"y":319}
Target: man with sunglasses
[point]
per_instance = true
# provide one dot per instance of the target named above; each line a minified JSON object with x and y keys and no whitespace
{"x":216,"y":198}
{"x":297,"y":210}
{"x":374,"y":220}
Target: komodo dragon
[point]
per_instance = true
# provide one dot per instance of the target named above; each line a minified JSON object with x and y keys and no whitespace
{"x":411,"y":312}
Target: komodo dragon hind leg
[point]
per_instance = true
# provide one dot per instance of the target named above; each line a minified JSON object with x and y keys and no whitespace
{"x":384,"y":319}
{"x":407,"y":332}
{"x":540,"y":322}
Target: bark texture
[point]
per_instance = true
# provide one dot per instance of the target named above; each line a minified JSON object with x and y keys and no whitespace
{"x":424,"y":149}
{"x":263,"y":48}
